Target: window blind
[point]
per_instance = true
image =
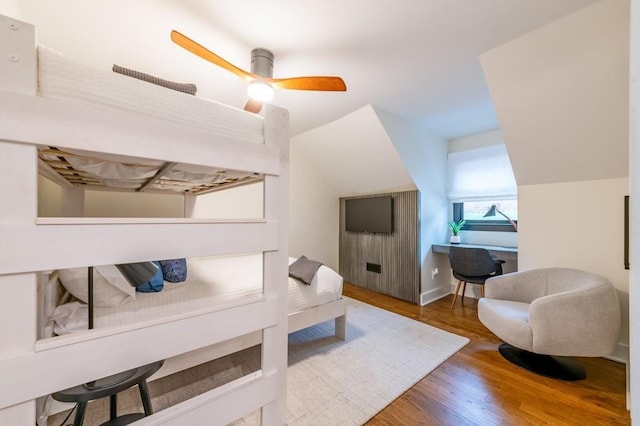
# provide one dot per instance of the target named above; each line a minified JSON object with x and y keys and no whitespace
{"x":480,"y":174}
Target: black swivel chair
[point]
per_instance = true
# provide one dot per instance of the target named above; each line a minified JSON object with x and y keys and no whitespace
{"x":472,"y":265}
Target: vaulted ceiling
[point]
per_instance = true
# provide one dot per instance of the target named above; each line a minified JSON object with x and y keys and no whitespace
{"x":417,"y":59}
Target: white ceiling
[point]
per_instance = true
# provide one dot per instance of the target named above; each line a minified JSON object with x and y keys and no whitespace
{"x":417,"y":59}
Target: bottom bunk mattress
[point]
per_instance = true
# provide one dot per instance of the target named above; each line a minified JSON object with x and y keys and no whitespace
{"x":210,"y":281}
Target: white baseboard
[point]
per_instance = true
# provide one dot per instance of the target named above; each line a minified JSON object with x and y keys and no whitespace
{"x":433,"y":295}
{"x":621,"y":354}
{"x":473,"y":291}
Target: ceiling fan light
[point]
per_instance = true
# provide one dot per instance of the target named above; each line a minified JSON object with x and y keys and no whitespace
{"x":260,"y":91}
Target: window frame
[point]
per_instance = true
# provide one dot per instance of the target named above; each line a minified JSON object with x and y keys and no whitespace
{"x":481,"y":225}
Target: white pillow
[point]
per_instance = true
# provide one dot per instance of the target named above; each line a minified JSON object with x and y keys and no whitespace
{"x":70,"y":318}
{"x":110,"y":288}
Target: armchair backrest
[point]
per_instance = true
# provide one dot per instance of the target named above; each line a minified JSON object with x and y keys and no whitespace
{"x":526,"y":286}
{"x":558,"y":280}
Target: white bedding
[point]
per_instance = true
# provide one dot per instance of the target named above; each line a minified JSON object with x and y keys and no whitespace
{"x":211,"y":281}
{"x":62,"y":78}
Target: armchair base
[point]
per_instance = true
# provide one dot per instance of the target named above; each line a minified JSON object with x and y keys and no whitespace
{"x":555,"y":367}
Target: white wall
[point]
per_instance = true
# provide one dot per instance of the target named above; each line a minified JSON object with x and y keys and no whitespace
{"x":244,"y":201}
{"x":10,"y":8}
{"x":130,"y":204}
{"x":49,"y":198}
{"x":110,"y":204}
{"x":425,"y":157}
{"x":315,"y":207}
{"x":576,"y":225}
{"x":476,"y":140}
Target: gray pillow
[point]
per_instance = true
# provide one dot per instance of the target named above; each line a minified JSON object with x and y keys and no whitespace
{"x":304,"y":269}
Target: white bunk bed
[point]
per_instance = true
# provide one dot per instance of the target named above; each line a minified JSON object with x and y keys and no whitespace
{"x":231,"y":140}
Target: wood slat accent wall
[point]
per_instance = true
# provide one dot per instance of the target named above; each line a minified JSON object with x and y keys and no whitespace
{"x":396,"y":253}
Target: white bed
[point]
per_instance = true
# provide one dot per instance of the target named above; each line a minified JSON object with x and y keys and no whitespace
{"x":210,"y":281}
{"x":221,"y":280}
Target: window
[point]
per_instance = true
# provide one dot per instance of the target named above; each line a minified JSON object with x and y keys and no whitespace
{"x":478,"y":179}
{"x":474,"y":213}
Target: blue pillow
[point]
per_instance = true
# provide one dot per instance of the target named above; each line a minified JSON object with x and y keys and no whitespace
{"x":174,"y":270}
{"x":155,"y":284}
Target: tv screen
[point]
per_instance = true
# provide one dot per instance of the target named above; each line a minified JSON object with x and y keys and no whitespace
{"x":370,"y":214}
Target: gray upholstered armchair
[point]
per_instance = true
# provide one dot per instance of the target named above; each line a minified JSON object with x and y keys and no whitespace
{"x":546,"y":314}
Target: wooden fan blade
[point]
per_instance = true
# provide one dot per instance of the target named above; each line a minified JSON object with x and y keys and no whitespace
{"x":253,"y":106}
{"x":329,"y":84}
{"x":196,"y":48}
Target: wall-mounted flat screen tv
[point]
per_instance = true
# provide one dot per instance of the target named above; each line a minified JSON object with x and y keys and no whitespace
{"x":369,"y":214}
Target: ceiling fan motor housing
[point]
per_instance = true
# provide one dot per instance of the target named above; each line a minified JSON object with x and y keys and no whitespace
{"x":262,"y":62}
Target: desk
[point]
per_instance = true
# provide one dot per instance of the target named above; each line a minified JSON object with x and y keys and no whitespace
{"x":509,"y":254}
{"x":110,"y":386}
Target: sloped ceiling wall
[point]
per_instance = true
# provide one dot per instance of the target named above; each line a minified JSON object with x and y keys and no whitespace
{"x":356,"y":155}
{"x":561,"y":96}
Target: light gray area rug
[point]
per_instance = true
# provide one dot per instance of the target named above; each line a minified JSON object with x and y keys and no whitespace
{"x":330,"y":381}
{"x":334,"y":382}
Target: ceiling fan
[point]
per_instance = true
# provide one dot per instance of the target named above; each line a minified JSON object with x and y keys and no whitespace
{"x":261,"y":81}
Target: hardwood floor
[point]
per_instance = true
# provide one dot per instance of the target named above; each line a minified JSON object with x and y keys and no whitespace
{"x":476,"y":386}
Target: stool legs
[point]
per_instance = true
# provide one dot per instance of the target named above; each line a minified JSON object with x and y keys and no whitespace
{"x":113,"y":406}
{"x":144,"y":396}
{"x":81,"y":409}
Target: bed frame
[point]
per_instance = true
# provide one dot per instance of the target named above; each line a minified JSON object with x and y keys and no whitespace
{"x":53,"y":291}
{"x":32,"y":368}
{"x":297,"y":321}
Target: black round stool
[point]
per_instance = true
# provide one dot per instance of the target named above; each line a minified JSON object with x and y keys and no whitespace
{"x":110,"y":386}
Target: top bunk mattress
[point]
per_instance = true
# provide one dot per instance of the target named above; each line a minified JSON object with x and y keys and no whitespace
{"x":63,"y":79}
